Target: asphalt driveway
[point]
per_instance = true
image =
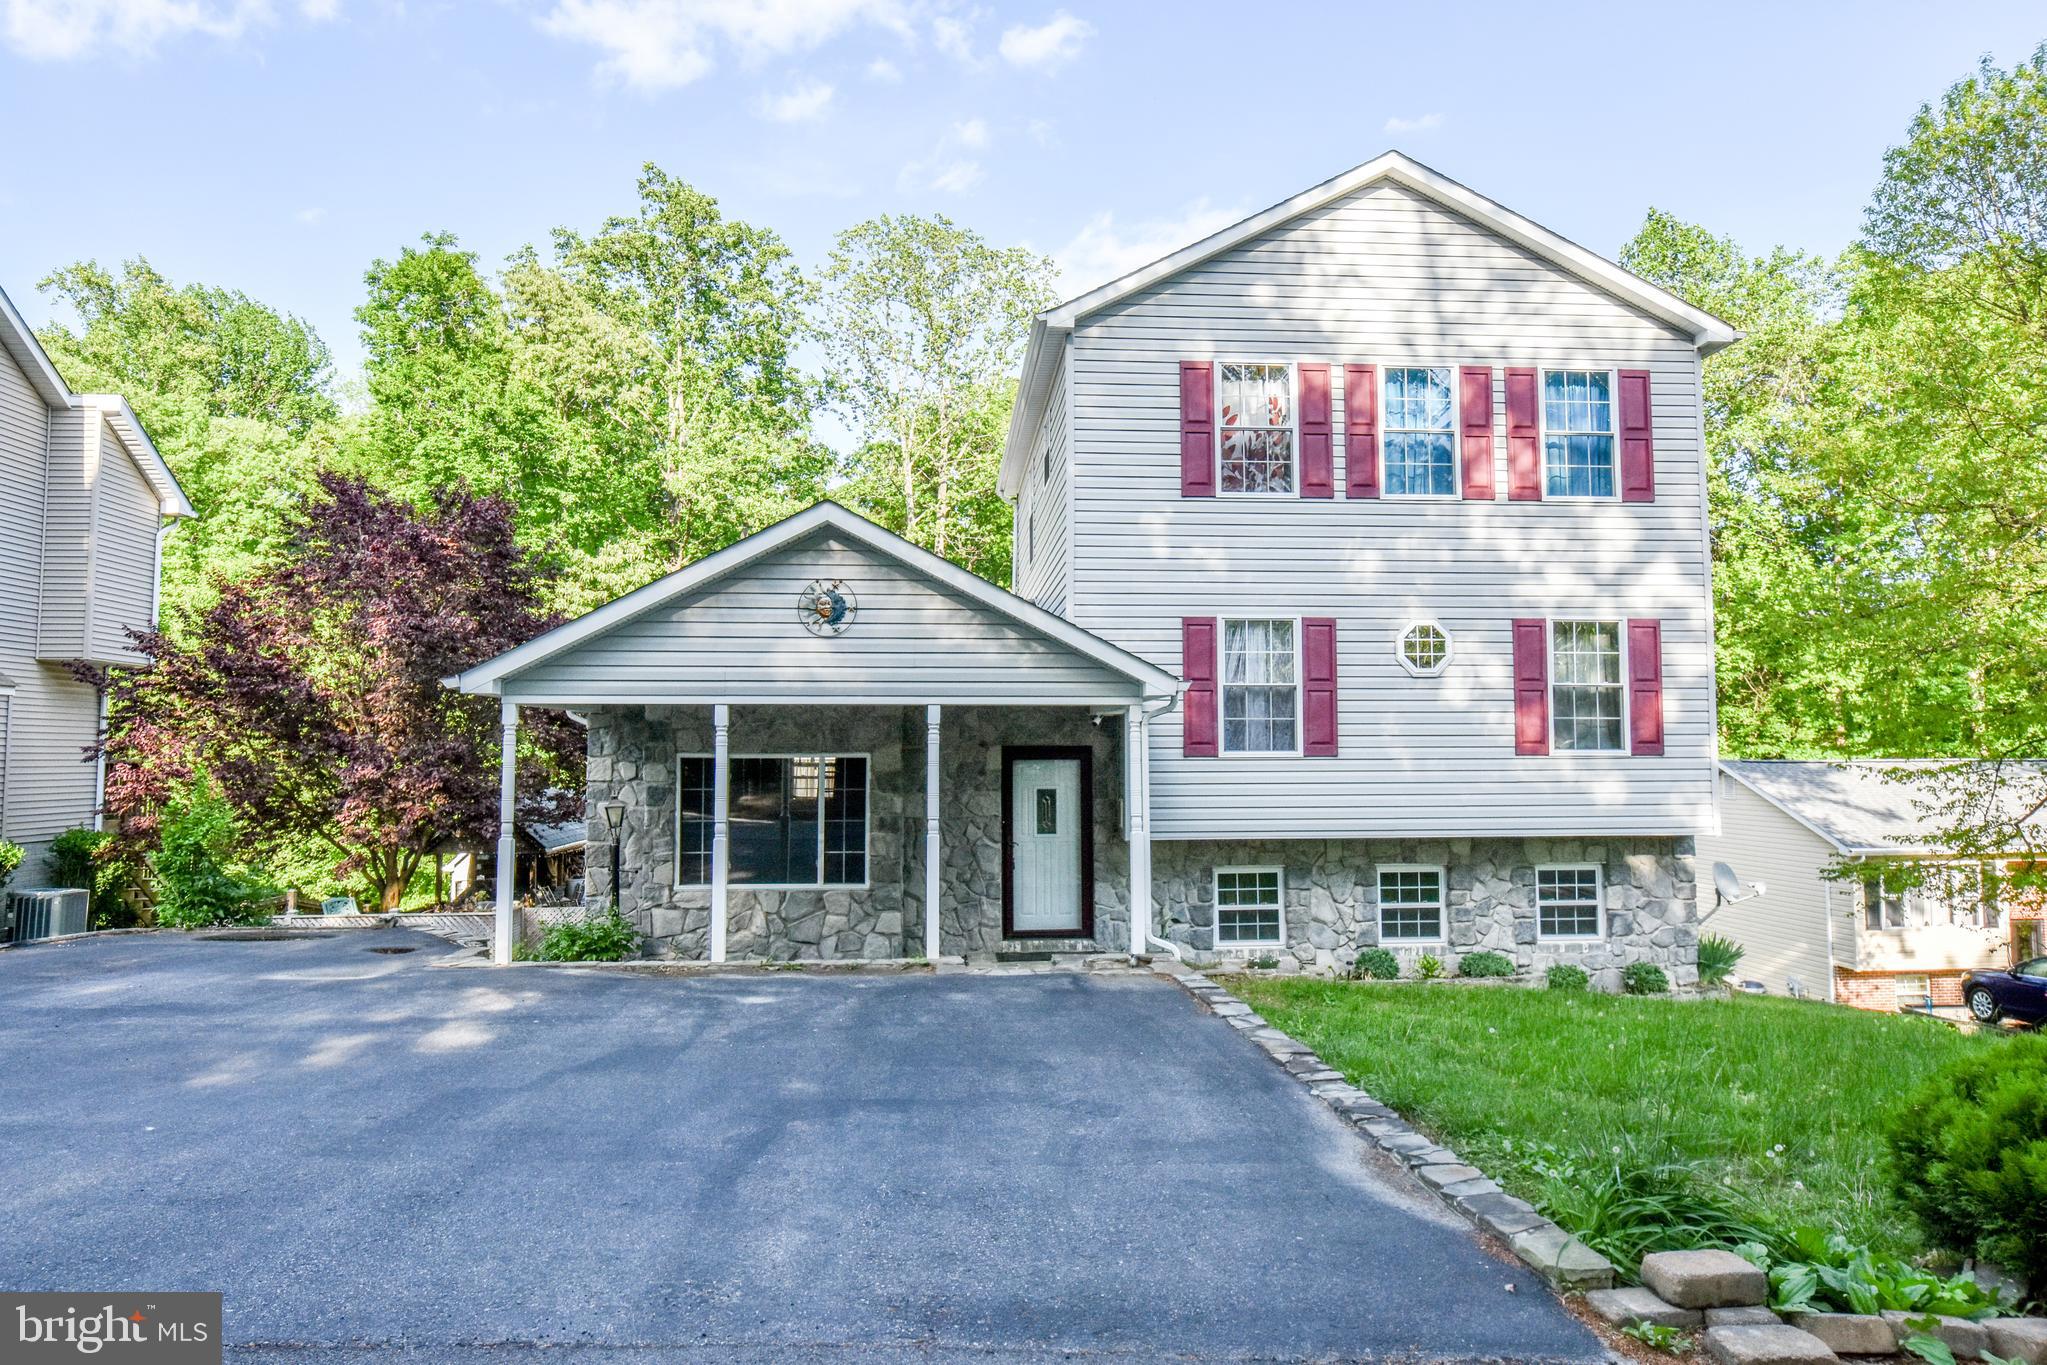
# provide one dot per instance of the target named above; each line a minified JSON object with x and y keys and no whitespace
{"x":376,"y":1160}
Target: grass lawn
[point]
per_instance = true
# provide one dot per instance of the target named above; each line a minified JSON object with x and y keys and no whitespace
{"x":1783,"y":1102}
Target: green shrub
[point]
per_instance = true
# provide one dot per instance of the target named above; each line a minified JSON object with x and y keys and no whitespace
{"x":80,"y":857}
{"x":609,"y":937}
{"x":1969,"y":1153}
{"x":197,"y":883}
{"x":1485,"y":963}
{"x":1625,"y":1208}
{"x":1567,"y":976}
{"x":1376,"y":963}
{"x":1718,"y":958}
{"x":1644,"y":978}
{"x":10,"y":858}
{"x":1429,"y":967}
{"x":1815,"y":1270}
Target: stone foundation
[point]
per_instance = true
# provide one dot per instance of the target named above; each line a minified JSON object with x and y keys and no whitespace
{"x":632,"y":755}
{"x":1332,"y":911}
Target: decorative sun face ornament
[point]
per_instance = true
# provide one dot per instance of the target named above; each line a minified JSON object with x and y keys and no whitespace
{"x":826,"y":608}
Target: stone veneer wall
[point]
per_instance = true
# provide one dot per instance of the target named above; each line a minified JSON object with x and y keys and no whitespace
{"x":632,"y":752}
{"x":1331,"y":900}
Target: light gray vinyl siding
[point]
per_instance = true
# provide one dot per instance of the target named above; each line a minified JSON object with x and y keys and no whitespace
{"x":51,"y":717}
{"x":1042,"y":513}
{"x":740,"y":639}
{"x":124,"y":552}
{"x":1384,"y":276}
{"x":1785,"y":929}
{"x":66,"y":516}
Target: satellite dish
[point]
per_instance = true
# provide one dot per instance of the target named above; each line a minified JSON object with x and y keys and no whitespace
{"x":1730,"y":887}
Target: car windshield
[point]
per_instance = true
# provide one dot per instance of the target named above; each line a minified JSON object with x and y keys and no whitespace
{"x":2033,"y":967}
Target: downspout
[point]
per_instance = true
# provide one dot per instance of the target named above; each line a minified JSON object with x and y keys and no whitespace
{"x":1142,"y":922}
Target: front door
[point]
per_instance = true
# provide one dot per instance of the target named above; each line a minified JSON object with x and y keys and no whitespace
{"x":1047,"y":826}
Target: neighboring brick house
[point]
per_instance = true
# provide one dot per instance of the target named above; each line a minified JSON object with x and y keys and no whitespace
{"x":1361,"y":598}
{"x":1822,"y":930}
{"x":84,"y":501}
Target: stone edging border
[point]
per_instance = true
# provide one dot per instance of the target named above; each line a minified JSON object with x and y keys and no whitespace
{"x":1551,"y":1252}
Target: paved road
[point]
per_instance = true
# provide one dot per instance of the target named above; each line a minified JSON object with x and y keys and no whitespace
{"x":376,"y":1160}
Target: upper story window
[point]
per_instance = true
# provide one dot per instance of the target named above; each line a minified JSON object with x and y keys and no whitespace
{"x":1955,"y":894}
{"x":1419,"y":441}
{"x":1577,"y":434}
{"x":1424,"y":649}
{"x":1260,"y":687}
{"x":1587,"y":700}
{"x":1255,"y":428}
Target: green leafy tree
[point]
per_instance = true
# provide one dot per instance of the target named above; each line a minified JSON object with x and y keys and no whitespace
{"x":923,"y":327}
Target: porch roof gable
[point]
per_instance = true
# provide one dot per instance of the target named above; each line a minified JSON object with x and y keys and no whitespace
{"x":490,"y":677}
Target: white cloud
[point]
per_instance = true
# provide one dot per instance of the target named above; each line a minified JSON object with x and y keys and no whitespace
{"x":950,"y":168}
{"x":1102,"y":250}
{"x":319,"y":11}
{"x":1421,"y":124}
{"x":1043,"y":131}
{"x":952,"y":37}
{"x":310,"y":216}
{"x":883,"y":70}
{"x":1050,"y":45}
{"x":797,"y":105}
{"x":662,"y":44}
{"x":57,"y":30}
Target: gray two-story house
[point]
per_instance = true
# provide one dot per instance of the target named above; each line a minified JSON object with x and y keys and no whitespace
{"x":84,"y":502}
{"x":1361,"y":599}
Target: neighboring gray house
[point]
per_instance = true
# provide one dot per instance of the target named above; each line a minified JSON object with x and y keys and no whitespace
{"x":1361,"y":597}
{"x":1857,"y":939}
{"x":84,"y":502}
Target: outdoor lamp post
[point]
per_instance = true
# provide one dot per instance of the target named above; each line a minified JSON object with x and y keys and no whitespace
{"x":614,"y":816}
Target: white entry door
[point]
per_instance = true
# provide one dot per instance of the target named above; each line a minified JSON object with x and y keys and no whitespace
{"x":1046,"y":819}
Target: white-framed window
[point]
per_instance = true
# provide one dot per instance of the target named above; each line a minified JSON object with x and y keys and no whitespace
{"x":1261,"y":686}
{"x":1955,"y":894}
{"x":1419,"y":442}
{"x":1570,"y":902}
{"x":1424,"y":648}
{"x":1250,"y":907}
{"x":1587,"y":698}
{"x":1410,"y":903}
{"x":1578,"y":445}
{"x":794,"y":820}
{"x":1255,"y":427}
{"x":1911,"y":990}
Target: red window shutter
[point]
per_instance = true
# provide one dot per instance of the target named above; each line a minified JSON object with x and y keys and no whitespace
{"x":1645,"y":687}
{"x":1318,"y":687}
{"x":1197,"y":667}
{"x":1475,"y":413}
{"x":1531,"y":687}
{"x":1197,"y":429}
{"x":1638,"y":449}
{"x":1524,"y":438}
{"x":1361,"y":430}
{"x":1318,"y":461}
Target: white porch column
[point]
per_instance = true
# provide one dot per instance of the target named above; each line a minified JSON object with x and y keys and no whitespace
{"x":932,"y":865}
{"x":1137,"y":784}
{"x":721,"y":825}
{"x":506,"y":928}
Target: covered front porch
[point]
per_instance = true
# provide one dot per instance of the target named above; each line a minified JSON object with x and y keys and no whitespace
{"x":825,"y":743}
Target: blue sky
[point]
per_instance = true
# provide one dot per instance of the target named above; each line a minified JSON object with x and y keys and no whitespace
{"x":277,"y":146}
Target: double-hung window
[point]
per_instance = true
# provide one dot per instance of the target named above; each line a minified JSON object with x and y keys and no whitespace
{"x":794,"y":821}
{"x":1420,"y":440}
{"x":1577,"y":434}
{"x":1247,"y":907}
{"x":1410,"y":904}
{"x":1567,"y":902}
{"x":1587,"y":698}
{"x":1261,"y":687}
{"x":1255,"y":427}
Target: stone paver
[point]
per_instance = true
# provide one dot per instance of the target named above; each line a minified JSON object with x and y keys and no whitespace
{"x":1778,"y":1345}
{"x":1965,"y":1338}
{"x":1858,"y":1334}
{"x":1626,"y":1307}
{"x":1705,"y":1279}
{"x":1740,"y":1317}
{"x":2019,"y":1339}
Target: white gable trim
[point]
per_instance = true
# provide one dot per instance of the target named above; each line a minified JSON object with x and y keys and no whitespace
{"x":1791,"y":815}
{"x":1050,"y":329}
{"x":486,"y":677}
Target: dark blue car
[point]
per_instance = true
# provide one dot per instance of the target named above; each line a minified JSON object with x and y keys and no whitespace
{"x":2018,"y":994}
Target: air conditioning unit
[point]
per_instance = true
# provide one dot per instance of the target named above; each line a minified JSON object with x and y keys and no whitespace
{"x":44,"y":914}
